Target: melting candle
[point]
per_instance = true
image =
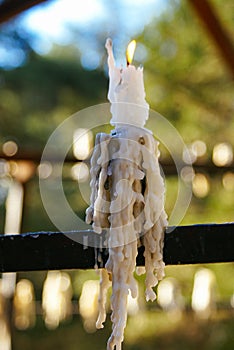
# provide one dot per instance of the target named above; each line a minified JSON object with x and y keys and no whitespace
{"x":127,"y":196}
{"x":126,"y":90}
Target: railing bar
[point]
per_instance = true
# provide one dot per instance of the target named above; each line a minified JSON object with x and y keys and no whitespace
{"x":195,"y":244}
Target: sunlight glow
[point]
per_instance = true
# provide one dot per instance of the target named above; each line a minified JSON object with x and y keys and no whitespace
{"x":56,"y":21}
{"x":54,"y":18}
{"x":203,"y":296}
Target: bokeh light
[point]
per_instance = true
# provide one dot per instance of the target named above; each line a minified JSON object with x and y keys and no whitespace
{"x":56,"y":298}
{"x":4,"y":167}
{"x":10,"y":148}
{"x":222,"y":154}
{"x":82,"y":143}
{"x":199,"y":148}
{"x":169,"y":296}
{"x":228,"y":181}
{"x":80,"y":172}
{"x":187,"y":174}
{"x":22,"y":170}
{"x":24,"y":305}
{"x":204,"y":293}
{"x":201,"y":185}
{"x":88,"y":304}
{"x":44,"y":170}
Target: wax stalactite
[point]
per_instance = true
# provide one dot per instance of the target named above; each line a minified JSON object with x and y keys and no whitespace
{"x":127,"y":196}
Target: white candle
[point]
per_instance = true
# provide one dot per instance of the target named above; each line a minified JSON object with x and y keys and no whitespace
{"x":126,"y":93}
{"x":127,"y":196}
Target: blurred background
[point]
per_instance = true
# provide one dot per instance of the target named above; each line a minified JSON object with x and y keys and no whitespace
{"x":53,"y":64}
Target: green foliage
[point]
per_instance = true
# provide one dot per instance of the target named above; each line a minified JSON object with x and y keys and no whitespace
{"x":145,"y":331}
{"x":185,"y":77}
{"x":38,"y":96}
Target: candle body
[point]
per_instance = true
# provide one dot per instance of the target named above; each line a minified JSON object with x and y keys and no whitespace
{"x":126,"y":93}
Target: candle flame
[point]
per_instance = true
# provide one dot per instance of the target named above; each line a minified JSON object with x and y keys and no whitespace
{"x":130,"y":51}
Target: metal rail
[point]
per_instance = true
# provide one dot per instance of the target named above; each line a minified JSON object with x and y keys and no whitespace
{"x":196,"y":244}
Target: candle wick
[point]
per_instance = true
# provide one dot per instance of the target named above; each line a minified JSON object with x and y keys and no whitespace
{"x":127,"y":60}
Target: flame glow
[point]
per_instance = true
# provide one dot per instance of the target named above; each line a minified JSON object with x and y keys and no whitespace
{"x":130,"y":51}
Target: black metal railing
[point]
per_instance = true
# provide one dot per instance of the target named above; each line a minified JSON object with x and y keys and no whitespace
{"x":195,"y":244}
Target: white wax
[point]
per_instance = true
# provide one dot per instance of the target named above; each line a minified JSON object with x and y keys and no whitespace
{"x":126,"y":93}
{"x":127,"y":196}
